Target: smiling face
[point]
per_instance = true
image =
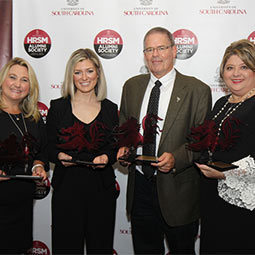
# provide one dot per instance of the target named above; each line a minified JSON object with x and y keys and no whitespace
{"x":16,"y":85}
{"x":239,"y":78}
{"x":159,"y":62}
{"x":85,"y":76}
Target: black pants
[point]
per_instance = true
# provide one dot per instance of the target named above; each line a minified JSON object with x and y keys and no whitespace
{"x":149,"y":228}
{"x":83,"y":212}
{"x":16,"y":216}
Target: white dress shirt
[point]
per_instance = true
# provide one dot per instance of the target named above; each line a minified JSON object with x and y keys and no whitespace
{"x":165,"y":94}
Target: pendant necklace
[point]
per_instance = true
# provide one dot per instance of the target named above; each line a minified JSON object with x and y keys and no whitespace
{"x":17,"y":117}
{"x":227,"y":114}
{"x":26,"y":149}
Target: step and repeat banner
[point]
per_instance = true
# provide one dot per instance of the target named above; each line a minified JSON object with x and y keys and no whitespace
{"x":46,"y":32}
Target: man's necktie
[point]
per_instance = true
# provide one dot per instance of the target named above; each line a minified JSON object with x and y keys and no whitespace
{"x":150,"y":149}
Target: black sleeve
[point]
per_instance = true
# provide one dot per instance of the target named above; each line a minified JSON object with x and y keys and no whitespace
{"x":111,"y":148}
{"x":53,"y":118}
{"x":42,"y":154}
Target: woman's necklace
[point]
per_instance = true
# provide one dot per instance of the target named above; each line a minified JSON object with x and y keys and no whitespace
{"x":26,"y":149}
{"x":227,"y":114}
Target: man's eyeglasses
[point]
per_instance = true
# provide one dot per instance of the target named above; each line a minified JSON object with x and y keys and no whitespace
{"x":159,"y":49}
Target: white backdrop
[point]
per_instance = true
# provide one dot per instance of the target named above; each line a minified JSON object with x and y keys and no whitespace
{"x":54,"y":29}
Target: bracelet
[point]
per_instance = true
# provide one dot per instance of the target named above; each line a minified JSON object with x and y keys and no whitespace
{"x":33,"y":168}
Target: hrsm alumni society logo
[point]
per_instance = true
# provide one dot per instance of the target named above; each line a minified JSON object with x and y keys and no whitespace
{"x":39,"y":248}
{"x":186,"y":43}
{"x":108,"y":44}
{"x":37,"y":43}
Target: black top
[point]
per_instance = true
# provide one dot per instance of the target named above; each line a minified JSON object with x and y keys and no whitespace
{"x":60,"y":120}
{"x":226,"y":228}
{"x":16,"y":199}
{"x":36,"y":141}
{"x":242,"y":126}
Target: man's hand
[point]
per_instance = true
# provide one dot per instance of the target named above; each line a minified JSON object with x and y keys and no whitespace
{"x":166,"y":162}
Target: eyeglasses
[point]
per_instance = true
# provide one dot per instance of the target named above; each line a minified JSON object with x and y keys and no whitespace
{"x":159,"y":49}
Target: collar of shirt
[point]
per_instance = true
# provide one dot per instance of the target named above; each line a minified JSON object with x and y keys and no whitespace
{"x":166,"y":80}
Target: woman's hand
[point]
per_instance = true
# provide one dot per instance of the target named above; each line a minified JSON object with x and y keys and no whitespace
{"x":122,"y":153}
{"x":102,"y":159}
{"x":3,"y":178}
{"x":210,"y":172}
{"x":39,"y":171}
{"x":64,"y":156}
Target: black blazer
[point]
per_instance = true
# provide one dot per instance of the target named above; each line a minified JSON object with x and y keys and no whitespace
{"x":60,"y":115}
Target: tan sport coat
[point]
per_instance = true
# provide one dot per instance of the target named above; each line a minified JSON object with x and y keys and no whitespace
{"x":190,"y":102}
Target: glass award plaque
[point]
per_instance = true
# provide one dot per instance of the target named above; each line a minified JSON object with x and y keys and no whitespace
{"x":139,"y":159}
{"x":221,"y":166}
{"x":82,"y":162}
{"x":21,"y":176}
{"x":146,"y":159}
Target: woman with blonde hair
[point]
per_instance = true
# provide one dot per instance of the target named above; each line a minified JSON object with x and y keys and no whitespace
{"x":22,"y":153}
{"x":81,"y":145}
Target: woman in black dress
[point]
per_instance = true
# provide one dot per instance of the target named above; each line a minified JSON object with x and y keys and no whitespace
{"x":22,"y":152}
{"x":79,"y":127}
{"x":228,"y":196}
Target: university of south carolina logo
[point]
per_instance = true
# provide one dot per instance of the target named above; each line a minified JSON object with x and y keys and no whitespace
{"x":144,"y":69}
{"x":218,"y":86}
{"x":223,"y":1}
{"x":72,"y":2}
{"x":146,"y":8}
{"x":217,"y":77}
{"x":146,"y":2}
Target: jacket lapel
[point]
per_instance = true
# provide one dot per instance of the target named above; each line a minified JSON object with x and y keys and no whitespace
{"x":176,"y":101}
{"x":140,"y":95}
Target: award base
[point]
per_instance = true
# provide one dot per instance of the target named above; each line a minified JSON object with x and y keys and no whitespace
{"x":221,"y":166}
{"x":146,"y":159}
{"x":84,"y":163}
{"x":21,"y":176}
{"x":139,"y":159}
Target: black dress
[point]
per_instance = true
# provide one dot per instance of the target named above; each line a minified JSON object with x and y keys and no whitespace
{"x":84,"y":199}
{"x":226,"y":228}
{"x":16,"y":199}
